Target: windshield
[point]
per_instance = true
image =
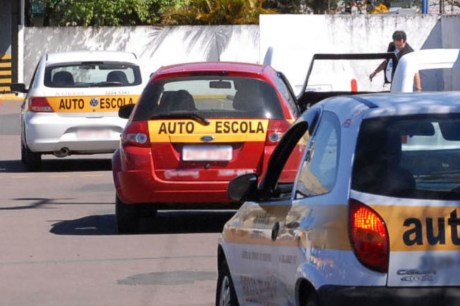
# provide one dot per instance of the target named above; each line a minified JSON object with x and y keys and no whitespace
{"x":416,"y":157}
{"x":92,"y":74}
{"x":210,"y":97}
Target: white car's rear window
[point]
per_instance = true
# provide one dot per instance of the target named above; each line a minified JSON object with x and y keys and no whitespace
{"x":415,"y":157}
{"x":92,"y":74}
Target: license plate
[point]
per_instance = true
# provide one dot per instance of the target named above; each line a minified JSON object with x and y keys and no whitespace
{"x":93,"y":134}
{"x":206,"y":153}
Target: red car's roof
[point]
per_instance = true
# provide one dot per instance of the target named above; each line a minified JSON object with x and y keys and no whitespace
{"x":232,"y":67}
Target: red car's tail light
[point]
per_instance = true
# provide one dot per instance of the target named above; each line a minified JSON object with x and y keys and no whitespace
{"x":136,"y":134}
{"x":276,"y":129}
{"x":40,"y":105}
{"x":369,"y":237}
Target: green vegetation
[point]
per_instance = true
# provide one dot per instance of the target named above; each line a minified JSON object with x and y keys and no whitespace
{"x":207,"y":12}
{"x":162,"y":12}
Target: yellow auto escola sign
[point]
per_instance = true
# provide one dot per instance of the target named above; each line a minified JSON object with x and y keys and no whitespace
{"x":222,"y":130}
{"x":74,"y":104}
{"x":420,"y":228}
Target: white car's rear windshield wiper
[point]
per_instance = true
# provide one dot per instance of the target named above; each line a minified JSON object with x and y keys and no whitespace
{"x":192,"y":116}
{"x":106,"y":84}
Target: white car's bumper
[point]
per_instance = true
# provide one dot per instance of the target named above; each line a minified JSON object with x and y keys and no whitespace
{"x":50,"y":132}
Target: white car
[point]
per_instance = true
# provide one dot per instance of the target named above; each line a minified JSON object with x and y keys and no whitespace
{"x":371,"y":218}
{"x":439,"y":70}
{"x":71,"y":106}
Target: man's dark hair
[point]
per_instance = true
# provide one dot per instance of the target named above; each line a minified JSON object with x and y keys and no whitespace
{"x":398,"y":35}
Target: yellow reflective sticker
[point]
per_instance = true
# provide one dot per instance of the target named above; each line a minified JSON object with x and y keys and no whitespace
{"x":88,"y":104}
{"x":221,"y":130}
{"x":327,"y":226}
{"x":410,"y":228}
{"x":421,"y":228}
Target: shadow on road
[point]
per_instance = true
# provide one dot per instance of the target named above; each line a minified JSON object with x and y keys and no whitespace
{"x":59,"y":165}
{"x":166,"y":222}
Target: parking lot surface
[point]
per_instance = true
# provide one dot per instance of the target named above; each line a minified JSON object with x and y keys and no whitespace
{"x":59,"y":242}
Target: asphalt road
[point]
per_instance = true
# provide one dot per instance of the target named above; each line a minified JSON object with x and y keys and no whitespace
{"x":59,"y":246}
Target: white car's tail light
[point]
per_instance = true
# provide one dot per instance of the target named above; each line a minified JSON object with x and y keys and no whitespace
{"x":40,"y":105}
{"x":136,"y":134}
{"x":369,"y":237}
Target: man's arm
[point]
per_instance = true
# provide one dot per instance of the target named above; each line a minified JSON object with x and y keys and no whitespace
{"x":417,"y":82}
{"x":378,"y":69}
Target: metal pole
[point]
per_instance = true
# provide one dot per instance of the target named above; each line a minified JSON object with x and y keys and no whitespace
{"x":425,"y":7}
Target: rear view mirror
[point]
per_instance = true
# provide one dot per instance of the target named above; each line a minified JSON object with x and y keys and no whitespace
{"x":220,"y":84}
{"x":419,"y":128}
{"x":450,"y":130}
{"x":125,"y":111}
{"x":18,"y":87}
{"x":243,"y":187}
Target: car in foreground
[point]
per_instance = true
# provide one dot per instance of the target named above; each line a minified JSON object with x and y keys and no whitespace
{"x":371,"y":218}
{"x":196,"y":127}
{"x":71,"y":105}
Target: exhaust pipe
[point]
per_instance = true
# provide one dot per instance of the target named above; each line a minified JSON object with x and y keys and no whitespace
{"x":63,"y":152}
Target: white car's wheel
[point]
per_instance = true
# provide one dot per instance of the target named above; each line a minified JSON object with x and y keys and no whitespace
{"x":225,"y":293}
{"x":32,"y":160}
{"x":312,"y":300}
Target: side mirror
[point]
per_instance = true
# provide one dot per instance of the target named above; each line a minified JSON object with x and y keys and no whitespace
{"x":243,"y":187}
{"x":18,"y":87}
{"x":125,"y":111}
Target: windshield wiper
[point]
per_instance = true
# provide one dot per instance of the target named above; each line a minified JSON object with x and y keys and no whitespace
{"x":104,"y":84}
{"x":192,"y":116}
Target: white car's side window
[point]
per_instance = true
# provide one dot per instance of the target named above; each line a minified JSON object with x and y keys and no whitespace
{"x":318,"y":171}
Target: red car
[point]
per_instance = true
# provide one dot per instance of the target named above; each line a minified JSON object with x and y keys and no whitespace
{"x":195,"y":128}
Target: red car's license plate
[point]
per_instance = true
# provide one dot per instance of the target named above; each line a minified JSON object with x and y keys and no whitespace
{"x":206,"y":153}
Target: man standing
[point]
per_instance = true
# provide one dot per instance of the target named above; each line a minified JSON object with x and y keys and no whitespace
{"x":400,"y":47}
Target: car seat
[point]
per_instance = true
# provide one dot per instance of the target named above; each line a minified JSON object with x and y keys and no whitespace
{"x":248,"y":99}
{"x":63,"y":79}
{"x":398,"y":179}
{"x":184,"y":101}
{"x":180,"y":100}
{"x":117,"y":77}
{"x":377,"y":167}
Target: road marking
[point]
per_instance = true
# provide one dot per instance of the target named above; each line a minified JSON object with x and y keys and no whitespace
{"x":92,"y":175}
{"x":54,"y":176}
{"x":58,"y":175}
{"x":21,"y":176}
{"x":99,"y":260}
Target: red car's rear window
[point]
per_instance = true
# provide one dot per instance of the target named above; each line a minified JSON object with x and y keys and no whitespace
{"x":210,"y":96}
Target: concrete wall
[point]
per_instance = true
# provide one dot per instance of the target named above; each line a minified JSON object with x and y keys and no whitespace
{"x":343,"y":34}
{"x":153,"y":45}
{"x":285,"y":41}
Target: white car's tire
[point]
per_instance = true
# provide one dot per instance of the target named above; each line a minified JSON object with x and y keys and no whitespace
{"x":225,"y":293}
{"x":32,"y":160}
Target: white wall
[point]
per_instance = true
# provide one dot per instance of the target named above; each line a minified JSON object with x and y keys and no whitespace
{"x":155,"y":46}
{"x":291,"y":39}
{"x":295,"y":38}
